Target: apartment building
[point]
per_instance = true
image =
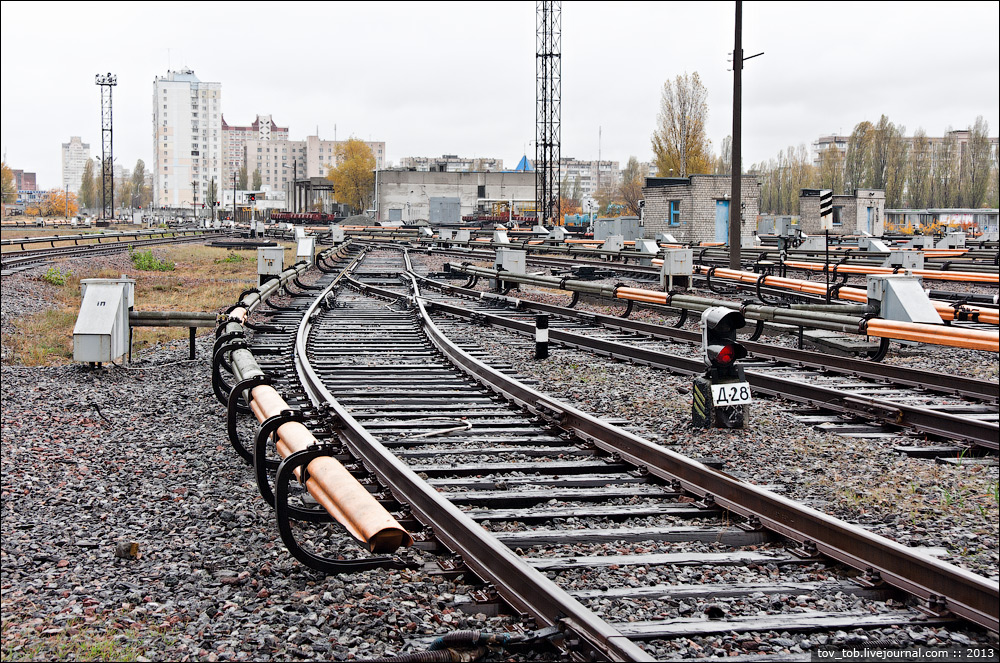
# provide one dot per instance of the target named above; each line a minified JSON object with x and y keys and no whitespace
{"x":235,"y":138}
{"x":279,"y":161}
{"x":187,"y":138}
{"x":75,"y":155}
{"x":592,"y":175}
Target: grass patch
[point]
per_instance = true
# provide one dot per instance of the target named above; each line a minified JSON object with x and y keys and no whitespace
{"x":199,"y":282}
{"x":232,"y":258}
{"x":90,"y":639}
{"x":56,"y":276}
{"x":147,"y":262}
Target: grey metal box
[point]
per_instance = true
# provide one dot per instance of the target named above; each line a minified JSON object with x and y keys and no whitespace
{"x":102,"y":328}
{"x":270,"y":260}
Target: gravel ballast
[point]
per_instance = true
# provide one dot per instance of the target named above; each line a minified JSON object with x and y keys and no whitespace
{"x":95,"y":460}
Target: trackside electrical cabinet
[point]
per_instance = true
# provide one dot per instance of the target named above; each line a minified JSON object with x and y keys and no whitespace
{"x":101,"y":333}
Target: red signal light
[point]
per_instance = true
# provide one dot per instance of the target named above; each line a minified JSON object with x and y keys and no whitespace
{"x":726,"y":355}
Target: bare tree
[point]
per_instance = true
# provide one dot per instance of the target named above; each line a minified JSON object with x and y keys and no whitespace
{"x":630,"y":189}
{"x":944,"y":192}
{"x":976,"y":165}
{"x":680,"y":144}
{"x":857,"y":164}
{"x":918,"y":172}
{"x":831,"y":169}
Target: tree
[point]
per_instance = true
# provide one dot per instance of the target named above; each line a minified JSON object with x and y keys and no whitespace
{"x":137,"y":197}
{"x":58,"y":203}
{"x":88,"y":187}
{"x":976,"y":165}
{"x":353,"y":176}
{"x":680,"y":145}
{"x":724,"y":162}
{"x":630,"y":189}
{"x":243,"y":179}
{"x":831,"y":170}
{"x":9,"y":188}
{"x":257,"y":180}
{"x":857,"y":166}
{"x":918,"y":172}
{"x":944,"y":186}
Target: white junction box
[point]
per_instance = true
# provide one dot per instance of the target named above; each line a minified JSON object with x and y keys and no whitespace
{"x":678,"y":266}
{"x":306,"y":248}
{"x":270,"y":260}
{"x":901,"y":297}
{"x":511,"y":260}
{"x":102,"y":327}
{"x":336,"y":234}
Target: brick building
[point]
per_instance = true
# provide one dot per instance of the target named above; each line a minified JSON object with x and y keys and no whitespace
{"x":695,"y":209}
{"x":864,"y":211}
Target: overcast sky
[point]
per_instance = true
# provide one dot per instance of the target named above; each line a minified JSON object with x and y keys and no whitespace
{"x":459,"y":77}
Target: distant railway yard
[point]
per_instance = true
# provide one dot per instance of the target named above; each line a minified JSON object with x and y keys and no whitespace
{"x":435,"y":444}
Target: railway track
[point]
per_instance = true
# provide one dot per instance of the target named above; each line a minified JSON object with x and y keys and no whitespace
{"x":952,"y":407}
{"x":527,"y":492}
{"x":20,"y":259}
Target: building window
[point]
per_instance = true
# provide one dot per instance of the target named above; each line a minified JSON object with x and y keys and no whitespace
{"x":837,"y":210}
{"x":675,"y":212}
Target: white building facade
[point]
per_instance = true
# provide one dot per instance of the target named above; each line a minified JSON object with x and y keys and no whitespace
{"x":187,"y":139}
{"x":75,"y":155}
{"x":281,"y":161}
{"x":235,"y":139}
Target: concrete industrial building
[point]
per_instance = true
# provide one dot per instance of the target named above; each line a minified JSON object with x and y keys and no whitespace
{"x":695,"y":209}
{"x":75,"y":155}
{"x":442,"y":197}
{"x":187,"y":138}
{"x":451,"y":163}
{"x":235,"y":139}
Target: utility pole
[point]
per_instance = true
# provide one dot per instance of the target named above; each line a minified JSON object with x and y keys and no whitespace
{"x":736,"y":167}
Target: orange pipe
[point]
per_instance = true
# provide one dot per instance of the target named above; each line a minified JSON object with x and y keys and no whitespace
{"x":925,"y":273}
{"x":973,"y":339}
{"x":946,"y":311}
{"x":333,"y":487}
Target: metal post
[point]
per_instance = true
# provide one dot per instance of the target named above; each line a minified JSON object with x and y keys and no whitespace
{"x":735,"y":208}
{"x":191,"y":351}
{"x":541,"y":336}
{"x":827,"y":270}
{"x":234,"y":197}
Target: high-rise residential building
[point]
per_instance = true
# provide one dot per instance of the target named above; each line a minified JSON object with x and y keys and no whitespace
{"x":75,"y":155}
{"x":187,"y":135}
{"x":234,"y":142}
{"x":279,"y":161}
{"x":592,"y":175}
{"x":452,"y":163}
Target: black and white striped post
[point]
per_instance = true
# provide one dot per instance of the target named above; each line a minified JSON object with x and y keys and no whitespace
{"x":826,"y":220}
{"x":541,"y":336}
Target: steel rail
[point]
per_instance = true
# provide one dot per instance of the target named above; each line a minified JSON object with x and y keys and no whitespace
{"x":522,"y":586}
{"x":977,"y":432}
{"x":76,"y":237}
{"x":964,"y":593}
{"x":967,"y":387}
{"x":15,"y":258}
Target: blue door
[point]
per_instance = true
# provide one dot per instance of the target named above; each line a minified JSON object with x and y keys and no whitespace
{"x":868,"y":223}
{"x":722,"y":221}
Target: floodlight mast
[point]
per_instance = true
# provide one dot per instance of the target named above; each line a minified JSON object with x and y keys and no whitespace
{"x":548,"y":109}
{"x":107,"y":81}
